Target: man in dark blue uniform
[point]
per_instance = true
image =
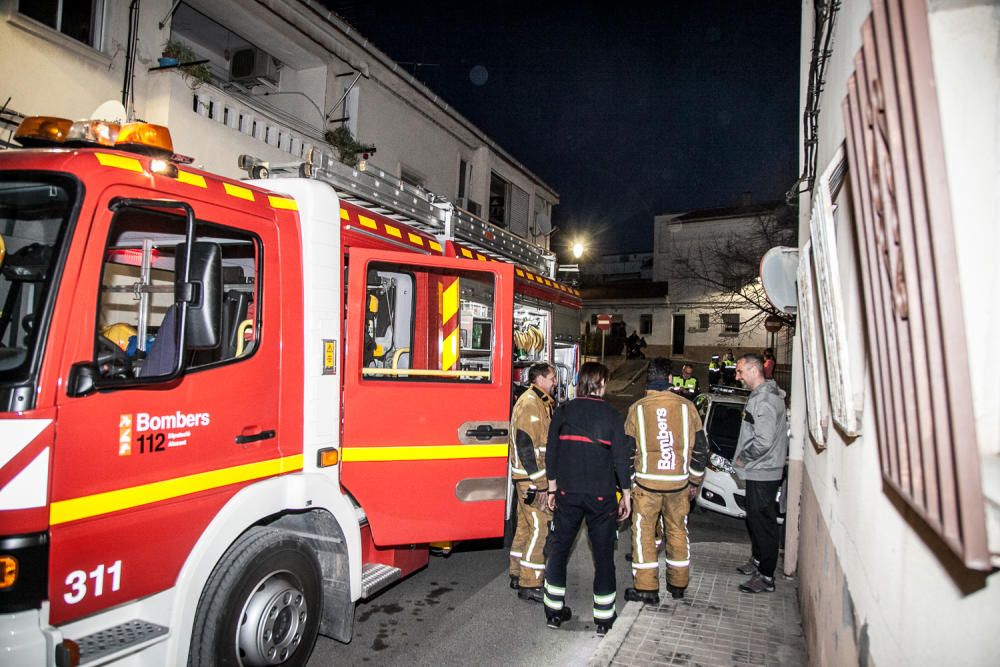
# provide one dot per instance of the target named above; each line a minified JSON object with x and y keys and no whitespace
{"x":588,"y":456}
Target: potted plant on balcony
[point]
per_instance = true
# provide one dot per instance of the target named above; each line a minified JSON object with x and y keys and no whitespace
{"x":346,"y":145}
{"x":192,"y":68}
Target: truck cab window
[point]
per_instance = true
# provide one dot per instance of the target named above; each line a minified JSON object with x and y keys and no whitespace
{"x":427,"y":324}
{"x":137,"y":322}
{"x":34,"y":215}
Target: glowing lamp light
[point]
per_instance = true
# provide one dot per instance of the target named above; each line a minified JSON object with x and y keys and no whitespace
{"x":145,"y":138}
{"x":132,"y":256}
{"x":93,"y":133}
{"x":42,"y":131}
{"x":577,"y":249}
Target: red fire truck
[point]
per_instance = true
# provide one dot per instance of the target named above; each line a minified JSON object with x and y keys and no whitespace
{"x":231,"y":409}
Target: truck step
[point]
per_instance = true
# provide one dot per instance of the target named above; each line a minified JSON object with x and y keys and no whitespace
{"x":120,"y":640}
{"x":376,"y":576}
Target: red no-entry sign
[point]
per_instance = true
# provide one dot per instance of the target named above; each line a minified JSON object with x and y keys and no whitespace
{"x":603,"y":322}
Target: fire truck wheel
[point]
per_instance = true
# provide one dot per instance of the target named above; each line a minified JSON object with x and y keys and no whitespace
{"x":261,"y":605}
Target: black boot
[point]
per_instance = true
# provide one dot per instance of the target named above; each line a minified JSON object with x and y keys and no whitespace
{"x":605,"y":625}
{"x":514,"y":579}
{"x":554,"y":620}
{"x":531,"y":594}
{"x":676,"y":592}
{"x":649,"y":597}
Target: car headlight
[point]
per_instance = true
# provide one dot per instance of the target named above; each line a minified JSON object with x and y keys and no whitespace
{"x":720,"y":464}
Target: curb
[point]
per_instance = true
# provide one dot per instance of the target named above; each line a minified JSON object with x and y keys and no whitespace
{"x":613,"y":641}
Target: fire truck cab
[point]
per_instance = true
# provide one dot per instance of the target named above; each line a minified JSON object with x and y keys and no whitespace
{"x":230,"y":410}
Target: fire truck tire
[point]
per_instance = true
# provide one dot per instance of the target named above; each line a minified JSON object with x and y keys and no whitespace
{"x":261,"y":605}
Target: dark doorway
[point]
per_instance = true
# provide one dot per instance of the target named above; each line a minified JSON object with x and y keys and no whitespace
{"x":678,"y":339}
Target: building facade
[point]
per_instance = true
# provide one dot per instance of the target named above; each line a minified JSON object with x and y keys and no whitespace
{"x":689,"y":255}
{"x":894,"y":473}
{"x":273,"y":80}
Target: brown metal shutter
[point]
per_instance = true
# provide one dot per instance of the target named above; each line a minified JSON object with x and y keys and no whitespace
{"x":923,"y":403}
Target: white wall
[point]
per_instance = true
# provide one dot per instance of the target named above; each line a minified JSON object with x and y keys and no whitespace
{"x":909,"y":602}
{"x":47,"y":73}
{"x":405,"y":138}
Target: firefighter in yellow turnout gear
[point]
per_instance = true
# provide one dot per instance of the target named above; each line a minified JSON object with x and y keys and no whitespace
{"x":529,"y":429}
{"x":670,"y":455}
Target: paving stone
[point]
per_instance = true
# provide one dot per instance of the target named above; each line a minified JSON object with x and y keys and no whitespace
{"x":716,"y":624}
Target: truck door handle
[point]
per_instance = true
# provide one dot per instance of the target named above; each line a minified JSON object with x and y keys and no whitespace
{"x":486,"y":432}
{"x":254,"y":437}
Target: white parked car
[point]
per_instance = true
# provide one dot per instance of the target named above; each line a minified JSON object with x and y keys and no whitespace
{"x":722,"y":491}
{"x":722,"y":413}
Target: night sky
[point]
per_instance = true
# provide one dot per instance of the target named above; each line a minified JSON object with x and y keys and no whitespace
{"x":627,"y":110}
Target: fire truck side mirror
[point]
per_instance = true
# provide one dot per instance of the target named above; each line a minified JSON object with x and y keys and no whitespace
{"x":204,"y":312}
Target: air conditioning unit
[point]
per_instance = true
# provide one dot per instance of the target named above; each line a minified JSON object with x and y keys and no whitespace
{"x":253,"y":65}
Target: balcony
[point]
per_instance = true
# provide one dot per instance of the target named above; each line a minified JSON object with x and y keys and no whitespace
{"x":215,"y":124}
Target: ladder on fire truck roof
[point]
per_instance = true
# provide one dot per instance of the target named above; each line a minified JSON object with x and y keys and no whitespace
{"x":383,"y":193}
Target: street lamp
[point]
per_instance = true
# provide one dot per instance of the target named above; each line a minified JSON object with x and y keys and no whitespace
{"x":578,"y":249}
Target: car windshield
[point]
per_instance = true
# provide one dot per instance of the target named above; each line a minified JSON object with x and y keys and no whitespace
{"x":34,"y":213}
{"x":723,"y":428}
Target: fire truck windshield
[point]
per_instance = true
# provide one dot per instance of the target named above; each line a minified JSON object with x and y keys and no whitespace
{"x":34,"y":214}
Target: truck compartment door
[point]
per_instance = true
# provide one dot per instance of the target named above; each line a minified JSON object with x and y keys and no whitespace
{"x":427,"y":394}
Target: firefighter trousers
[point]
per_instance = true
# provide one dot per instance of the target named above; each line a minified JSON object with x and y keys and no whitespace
{"x":647,"y":508}
{"x":601,"y":515}
{"x":527,"y":562}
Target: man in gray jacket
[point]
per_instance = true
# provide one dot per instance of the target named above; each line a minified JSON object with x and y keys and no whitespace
{"x":760,"y":460}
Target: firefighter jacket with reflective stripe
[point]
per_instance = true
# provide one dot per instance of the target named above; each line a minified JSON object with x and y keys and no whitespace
{"x":529,"y":427}
{"x":670,"y":447}
{"x":588,"y":451}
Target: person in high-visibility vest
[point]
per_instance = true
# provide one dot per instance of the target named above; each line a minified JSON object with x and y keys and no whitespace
{"x":686,"y":384}
{"x":729,"y":368}
{"x":529,"y":429}
{"x":670,"y":455}
{"x":714,"y":370}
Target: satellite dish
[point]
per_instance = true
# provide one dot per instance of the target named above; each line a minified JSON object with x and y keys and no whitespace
{"x":778,"y":270}
{"x":111,"y":111}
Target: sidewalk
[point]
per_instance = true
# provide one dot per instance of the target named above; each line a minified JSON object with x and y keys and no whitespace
{"x":715,"y":624}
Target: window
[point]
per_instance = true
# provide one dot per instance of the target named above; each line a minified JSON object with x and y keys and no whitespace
{"x":225,"y":116}
{"x":195,"y":104}
{"x":80,"y":20}
{"x":731,"y":323}
{"x":463,"y":168}
{"x":35,"y":212}
{"x":137,"y":312}
{"x":241,"y":123}
{"x":703,"y":321}
{"x":499,"y":200}
{"x":211,"y":109}
{"x":411,"y":177}
{"x":645,"y":324}
{"x":454,"y":344}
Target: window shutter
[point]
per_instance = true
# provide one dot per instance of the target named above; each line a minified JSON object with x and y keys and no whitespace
{"x":923,"y":404}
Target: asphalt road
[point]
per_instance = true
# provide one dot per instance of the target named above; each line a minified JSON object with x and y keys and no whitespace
{"x":459,"y":610}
